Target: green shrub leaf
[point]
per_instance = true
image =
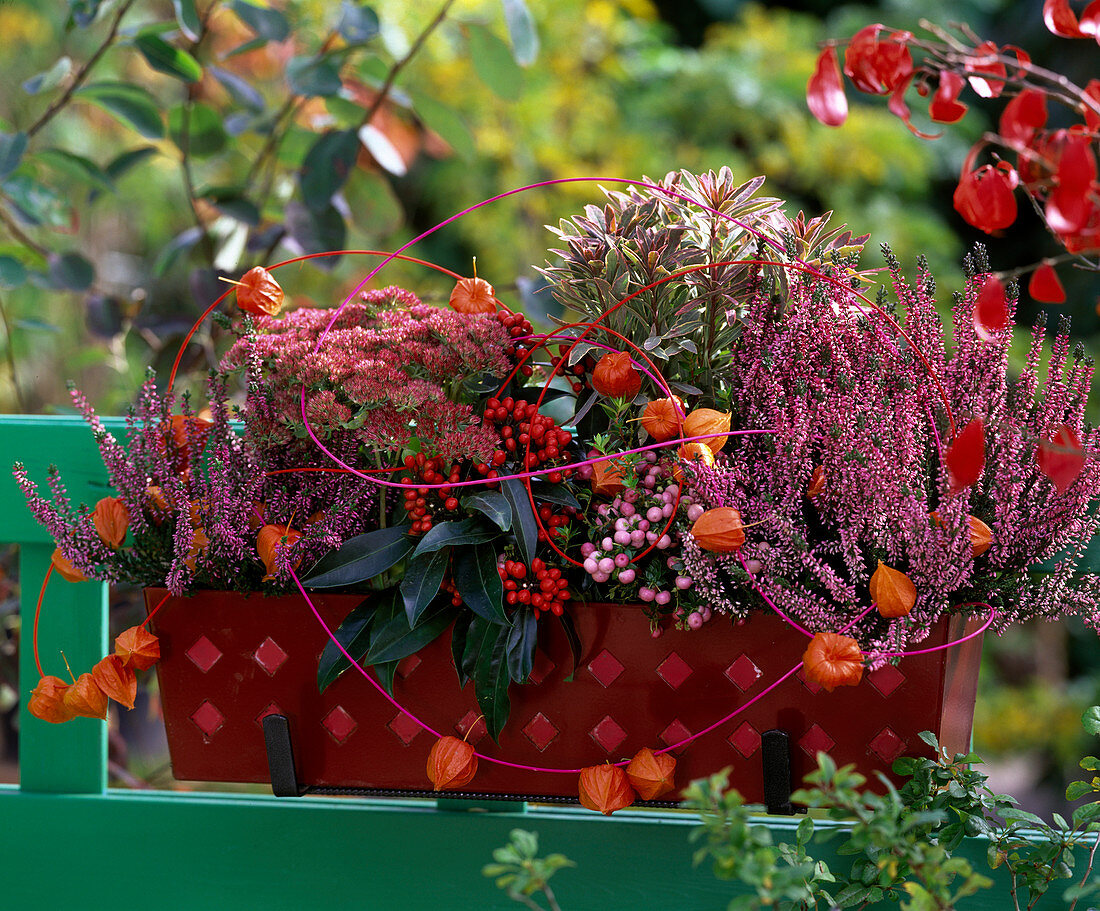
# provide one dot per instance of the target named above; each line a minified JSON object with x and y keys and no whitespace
{"x":423,"y":576}
{"x":354,"y":635}
{"x":360,"y":558}
{"x":130,"y":103}
{"x":478,"y":582}
{"x":164,"y":58}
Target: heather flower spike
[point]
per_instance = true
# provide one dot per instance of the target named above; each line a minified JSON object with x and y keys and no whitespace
{"x":965,"y":457}
{"x":1061,"y":458}
{"x":1045,"y":286}
{"x":825,"y":90}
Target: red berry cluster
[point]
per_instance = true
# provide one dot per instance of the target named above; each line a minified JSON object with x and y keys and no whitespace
{"x":517,"y":326}
{"x":518,"y":422}
{"x":539,"y":585}
{"x":448,"y":585}
{"x":552,"y":522}
{"x":579,"y":372}
{"x":420,"y":504}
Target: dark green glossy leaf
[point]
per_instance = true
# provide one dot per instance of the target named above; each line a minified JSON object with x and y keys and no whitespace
{"x":491,"y":678}
{"x":309,"y":76}
{"x":50,"y":79}
{"x":523,"y":518}
{"x":446,"y":122}
{"x":1086,"y":813}
{"x":188,"y":19}
{"x":268,"y":24}
{"x":129,"y":103}
{"x":12,"y":272}
{"x":360,"y":558}
{"x":521,"y":31}
{"x":395,"y":639}
{"x":559,"y":494}
{"x":71,"y":272}
{"x":36,"y":203}
{"x":327,"y":166}
{"x":206,"y":133}
{"x":494,"y":64}
{"x":175,"y":248}
{"x":570,"y":630}
{"x":128,"y":160}
{"x":459,"y":633}
{"x":385,"y":671}
{"x":164,"y":58}
{"x":12,"y":148}
{"x":1078,"y":789}
{"x":475,"y":638}
{"x":317,"y":232}
{"x":240,"y":90}
{"x":1090,"y":721}
{"x":423,"y":576}
{"x":492,"y":504}
{"x":358,"y":23}
{"x":452,"y":534}
{"x":478,"y":582}
{"x":77,"y":167}
{"x":354,"y":635}
{"x":522,"y":640}
{"x":232,"y":202}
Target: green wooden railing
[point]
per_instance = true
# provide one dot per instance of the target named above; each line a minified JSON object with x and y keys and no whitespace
{"x":69,"y":842}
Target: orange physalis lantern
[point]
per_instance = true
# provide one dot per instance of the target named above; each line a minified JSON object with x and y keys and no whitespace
{"x":473,"y":295}
{"x":117,"y":681}
{"x":692,"y":452}
{"x":605,"y":789}
{"x":981,"y":536}
{"x":65,"y":567}
{"x":892,"y":591}
{"x":607,"y":478}
{"x":615,"y":376}
{"x":705,"y":421}
{"x":719,"y":530}
{"x":85,"y":699}
{"x":258,"y":293}
{"x":651,"y":774}
{"x":181,"y":426}
{"x":111,"y":520}
{"x":662,"y":419}
{"x":452,"y":763}
{"x":269,"y":540}
{"x":833,"y":660}
{"x":138,"y":648}
{"x":47,"y":701}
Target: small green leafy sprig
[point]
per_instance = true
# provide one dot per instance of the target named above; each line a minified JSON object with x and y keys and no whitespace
{"x":521,"y":873}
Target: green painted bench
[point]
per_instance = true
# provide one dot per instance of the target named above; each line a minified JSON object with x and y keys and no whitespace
{"x":69,"y":842}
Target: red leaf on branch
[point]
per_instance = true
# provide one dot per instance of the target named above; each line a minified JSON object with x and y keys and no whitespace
{"x":897,"y":106}
{"x":1023,"y":117}
{"x":1061,"y":458}
{"x":945,"y":106}
{"x":1044,"y":285}
{"x":984,"y":196}
{"x":984,"y":65}
{"x":1070,"y":205}
{"x":1089,"y":22}
{"x":875,"y":66}
{"x":1092,"y":91}
{"x":991,"y":309}
{"x":1060,"y":19}
{"x":965,"y":457}
{"x":825,"y":91}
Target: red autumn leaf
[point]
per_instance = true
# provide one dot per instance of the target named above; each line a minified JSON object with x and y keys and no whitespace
{"x":111,"y":519}
{"x":945,"y":106}
{"x":473,"y":295}
{"x":1092,"y":117}
{"x":1070,"y":204}
{"x":138,"y":648}
{"x":651,"y":774}
{"x":892,"y":591}
{"x":1061,"y":458}
{"x":605,"y":788}
{"x":65,"y":567}
{"x":1089,"y":20}
{"x":991,"y":309}
{"x":1044,"y":285}
{"x":833,"y":660}
{"x":965,"y":457}
{"x":615,"y":376}
{"x":1060,"y":19}
{"x":117,"y":680}
{"x":897,"y":106}
{"x":47,"y":701}
{"x":825,"y":91}
{"x":452,"y":763}
{"x":984,"y":196}
{"x":817,"y":482}
{"x":986,"y":73}
{"x":1023,"y":117}
{"x":258,"y":293}
{"x":877,"y":66}
{"x":85,"y":699}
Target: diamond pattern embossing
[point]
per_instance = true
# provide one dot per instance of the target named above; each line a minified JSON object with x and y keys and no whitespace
{"x":207,"y":718}
{"x":746,"y":739}
{"x":270,"y":656}
{"x":743,"y":673}
{"x":404,"y":727}
{"x":204,"y":654}
{"x":608,"y":734}
{"x":339,"y":724}
{"x":540,"y":668}
{"x":471,"y":727}
{"x":886,"y":679}
{"x":541,"y":731}
{"x":674,"y":670}
{"x":409,"y":665}
{"x":814,"y":688}
{"x":272,"y":709}
{"x":606,"y":668}
{"x":887,"y":745}
{"x":674,"y":733}
{"x":815,"y":740}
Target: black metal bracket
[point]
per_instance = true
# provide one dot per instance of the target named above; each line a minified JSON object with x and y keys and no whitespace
{"x":280,"y":757}
{"x":775,"y":756}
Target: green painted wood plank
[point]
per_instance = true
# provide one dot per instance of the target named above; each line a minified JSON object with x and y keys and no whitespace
{"x":69,"y":757}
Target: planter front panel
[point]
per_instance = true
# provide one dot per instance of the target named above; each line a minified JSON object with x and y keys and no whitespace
{"x":229,"y":660}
